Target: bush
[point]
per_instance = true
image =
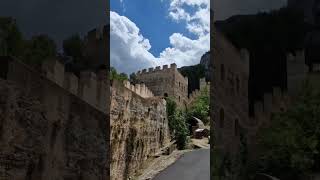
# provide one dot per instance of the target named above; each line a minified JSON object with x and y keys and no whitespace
{"x":290,"y":145}
{"x":114,"y":75}
{"x":180,"y":129}
{"x":177,"y":123}
{"x":200,"y":108}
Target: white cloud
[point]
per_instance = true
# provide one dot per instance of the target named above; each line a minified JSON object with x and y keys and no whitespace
{"x":130,"y":50}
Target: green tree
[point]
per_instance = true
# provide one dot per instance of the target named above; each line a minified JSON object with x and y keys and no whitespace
{"x":290,"y":145}
{"x":180,"y":129}
{"x":11,"y":39}
{"x":177,"y":123}
{"x":133,"y":78}
{"x":74,"y":47}
{"x":115,"y":76}
{"x":200,"y":108}
{"x":38,"y":49}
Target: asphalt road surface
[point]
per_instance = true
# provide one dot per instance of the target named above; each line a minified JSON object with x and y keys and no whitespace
{"x":193,"y":165}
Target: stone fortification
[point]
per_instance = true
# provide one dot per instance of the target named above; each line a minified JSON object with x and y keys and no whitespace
{"x":139,"y":127}
{"x":97,"y":46}
{"x":166,"y":82}
{"x":297,"y":71}
{"x":139,"y":89}
{"x":53,"y":125}
{"x":229,"y":93}
{"x":196,"y":93}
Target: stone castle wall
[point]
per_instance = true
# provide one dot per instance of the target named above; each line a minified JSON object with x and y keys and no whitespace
{"x":139,"y":128}
{"x":139,"y":89}
{"x":196,"y":93}
{"x":97,"y":46}
{"x":165,"y":82}
{"x":229,"y":93}
{"x":53,"y":125}
{"x":297,"y":71}
{"x":230,"y":113}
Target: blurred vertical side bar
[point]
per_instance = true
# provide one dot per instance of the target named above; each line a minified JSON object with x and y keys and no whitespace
{"x":211,"y":90}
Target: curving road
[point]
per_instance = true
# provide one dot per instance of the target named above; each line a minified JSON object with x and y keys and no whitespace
{"x":193,"y":165}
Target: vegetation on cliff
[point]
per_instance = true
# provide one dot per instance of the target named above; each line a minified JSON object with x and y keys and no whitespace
{"x":290,"y":146}
{"x":200,"y":108}
{"x":114,"y":75}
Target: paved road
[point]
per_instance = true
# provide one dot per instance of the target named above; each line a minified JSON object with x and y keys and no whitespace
{"x":193,"y":165}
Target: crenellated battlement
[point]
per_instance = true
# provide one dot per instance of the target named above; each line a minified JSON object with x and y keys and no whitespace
{"x":296,"y":71}
{"x":139,"y":89}
{"x":196,"y":93}
{"x":90,"y":87}
{"x":97,"y":33}
{"x":275,"y":101}
{"x":157,"y":69}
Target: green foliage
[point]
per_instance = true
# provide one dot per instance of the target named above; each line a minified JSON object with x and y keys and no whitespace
{"x":11,"y":37}
{"x":290,"y":146}
{"x":115,"y":76}
{"x":74,"y":47}
{"x":201,"y":106}
{"x":180,"y":129}
{"x":177,"y":123}
{"x":33,"y":51}
{"x":38,"y":49}
{"x":133,"y":78}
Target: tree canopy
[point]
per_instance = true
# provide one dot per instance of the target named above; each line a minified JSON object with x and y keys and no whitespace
{"x":290,"y":146}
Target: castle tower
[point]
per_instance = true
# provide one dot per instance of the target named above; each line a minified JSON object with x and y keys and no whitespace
{"x":167,"y":82}
{"x":97,"y":46}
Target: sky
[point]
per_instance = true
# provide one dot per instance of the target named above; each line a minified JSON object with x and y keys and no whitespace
{"x":149,"y":33}
{"x":57,"y":18}
{"x":227,"y":8}
{"x":144,"y":33}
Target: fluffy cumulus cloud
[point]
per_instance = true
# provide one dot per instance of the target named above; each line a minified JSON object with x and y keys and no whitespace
{"x":130,"y":50}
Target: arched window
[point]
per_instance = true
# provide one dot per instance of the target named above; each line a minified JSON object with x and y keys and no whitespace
{"x":236,"y":127}
{"x":222,"y":72}
{"x":221,"y":118}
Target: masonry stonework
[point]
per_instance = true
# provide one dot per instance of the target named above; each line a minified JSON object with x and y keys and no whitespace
{"x":49,"y":129}
{"x":229,"y":94}
{"x":139,"y":128}
{"x":166,"y":82}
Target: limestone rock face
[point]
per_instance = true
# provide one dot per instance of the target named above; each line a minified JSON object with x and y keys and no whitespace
{"x":205,"y":61}
{"x":139,"y":128}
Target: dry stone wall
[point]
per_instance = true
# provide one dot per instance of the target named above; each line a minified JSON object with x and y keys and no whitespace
{"x":139,"y":128}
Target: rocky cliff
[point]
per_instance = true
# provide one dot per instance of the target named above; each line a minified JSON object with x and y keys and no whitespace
{"x":139,"y":128}
{"x":205,"y":61}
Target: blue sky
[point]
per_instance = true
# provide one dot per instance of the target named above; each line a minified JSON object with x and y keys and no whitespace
{"x":148,"y":33}
{"x":151,"y":16}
